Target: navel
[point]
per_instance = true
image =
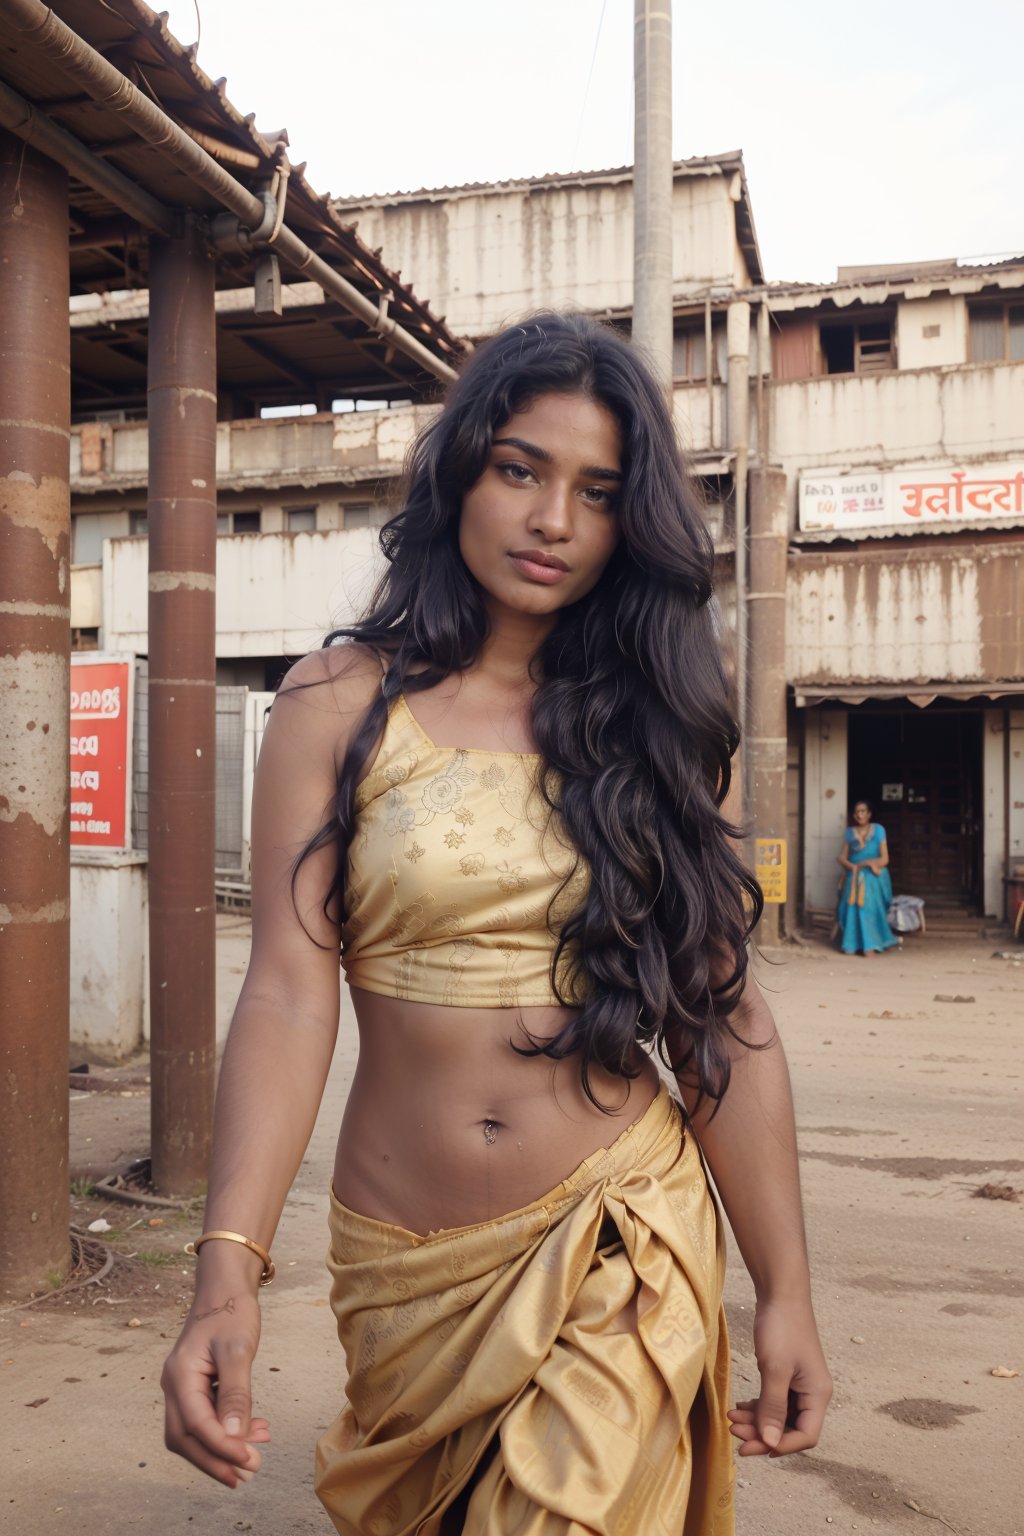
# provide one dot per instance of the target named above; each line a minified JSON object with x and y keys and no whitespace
{"x":490,"y":1129}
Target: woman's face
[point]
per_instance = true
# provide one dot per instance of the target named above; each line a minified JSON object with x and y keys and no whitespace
{"x":540,"y":524}
{"x":861,"y":813}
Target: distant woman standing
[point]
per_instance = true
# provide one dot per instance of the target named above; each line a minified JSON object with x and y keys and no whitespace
{"x":867,"y":889}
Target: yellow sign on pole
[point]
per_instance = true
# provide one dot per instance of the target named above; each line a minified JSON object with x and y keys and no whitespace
{"x":770,"y":868}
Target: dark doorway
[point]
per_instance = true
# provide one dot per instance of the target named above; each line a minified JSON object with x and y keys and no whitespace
{"x":921,"y":770}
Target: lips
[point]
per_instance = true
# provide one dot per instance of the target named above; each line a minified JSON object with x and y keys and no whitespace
{"x":538,"y":566}
{"x":539,"y":557}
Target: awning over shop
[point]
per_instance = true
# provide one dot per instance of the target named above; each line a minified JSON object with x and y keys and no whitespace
{"x":921,"y":694}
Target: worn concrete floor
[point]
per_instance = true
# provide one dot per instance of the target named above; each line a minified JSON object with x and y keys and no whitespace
{"x":907,"y":1102}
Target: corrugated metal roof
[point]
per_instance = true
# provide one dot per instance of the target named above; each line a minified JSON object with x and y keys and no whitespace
{"x":137,"y":41}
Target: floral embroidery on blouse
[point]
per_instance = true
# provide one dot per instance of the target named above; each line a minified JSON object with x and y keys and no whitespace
{"x":414,"y":853}
{"x":399,"y":815}
{"x":454,"y":839}
{"x":505,"y":836}
{"x":446,"y":789}
{"x":472,"y":863}
{"x":492,"y":777}
{"x":511,"y":880}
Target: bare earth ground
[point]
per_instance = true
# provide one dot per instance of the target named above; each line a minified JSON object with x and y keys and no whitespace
{"x":907,"y":1103}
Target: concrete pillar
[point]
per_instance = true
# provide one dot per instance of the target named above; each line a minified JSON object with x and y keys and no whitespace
{"x":653,"y":184}
{"x":35,"y":683}
{"x":182,"y":553}
{"x":766,"y":601}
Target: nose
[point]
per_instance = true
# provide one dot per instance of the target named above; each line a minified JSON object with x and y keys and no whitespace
{"x":551,"y":514}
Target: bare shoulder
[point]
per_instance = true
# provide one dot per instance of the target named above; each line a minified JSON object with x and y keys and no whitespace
{"x":337,"y":682}
{"x":320,"y":705}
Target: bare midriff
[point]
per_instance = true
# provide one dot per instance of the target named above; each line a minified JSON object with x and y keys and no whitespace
{"x":447,"y":1125}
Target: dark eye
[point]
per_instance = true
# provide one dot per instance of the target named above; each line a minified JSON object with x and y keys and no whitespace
{"x":598,"y":496}
{"x":515,"y":471}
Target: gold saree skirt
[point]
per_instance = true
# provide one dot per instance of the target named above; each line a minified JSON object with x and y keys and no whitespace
{"x":560,"y":1371}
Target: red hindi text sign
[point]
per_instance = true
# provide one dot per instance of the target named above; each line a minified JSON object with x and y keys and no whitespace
{"x":100,"y":748}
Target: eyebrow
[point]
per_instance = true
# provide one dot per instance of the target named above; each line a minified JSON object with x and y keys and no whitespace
{"x":588,"y":471}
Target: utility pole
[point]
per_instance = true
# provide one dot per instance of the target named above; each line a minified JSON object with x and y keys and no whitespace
{"x":652,"y":184}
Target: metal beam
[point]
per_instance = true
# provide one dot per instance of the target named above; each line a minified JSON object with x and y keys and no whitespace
{"x":267,"y":353}
{"x":31,"y":125}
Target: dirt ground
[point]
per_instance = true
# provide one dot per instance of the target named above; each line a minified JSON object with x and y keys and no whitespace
{"x":907,"y":1074}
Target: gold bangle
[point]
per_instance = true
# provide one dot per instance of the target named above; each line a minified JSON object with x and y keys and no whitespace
{"x":237,"y":1237}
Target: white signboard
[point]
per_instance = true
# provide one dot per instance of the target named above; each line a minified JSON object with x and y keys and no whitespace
{"x":912,"y":498}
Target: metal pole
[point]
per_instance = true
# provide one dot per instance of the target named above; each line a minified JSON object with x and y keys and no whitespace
{"x":738,"y":406}
{"x":766,"y":748}
{"x":709,"y":369}
{"x":182,"y":703}
{"x":35,"y":684}
{"x":652,"y":184}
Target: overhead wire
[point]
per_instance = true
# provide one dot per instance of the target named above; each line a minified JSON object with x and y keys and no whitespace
{"x":586,"y":93}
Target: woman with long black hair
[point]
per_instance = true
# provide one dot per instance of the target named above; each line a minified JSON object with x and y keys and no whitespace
{"x":498,"y":795}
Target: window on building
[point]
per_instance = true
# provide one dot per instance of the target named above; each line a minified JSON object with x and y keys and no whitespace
{"x":238,"y":522}
{"x":138,"y":524}
{"x":859,"y":346}
{"x":997,"y":333}
{"x":689,"y":354}
{"x":301,"y":519}
{"x":360,"y":514}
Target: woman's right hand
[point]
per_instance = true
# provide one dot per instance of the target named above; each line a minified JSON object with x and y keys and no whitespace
{"x":207,"y":1384}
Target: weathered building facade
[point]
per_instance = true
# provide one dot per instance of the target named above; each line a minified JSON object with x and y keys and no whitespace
{"x":864,"y":438}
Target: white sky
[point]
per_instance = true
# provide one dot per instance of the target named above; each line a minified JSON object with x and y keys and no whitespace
{"x":889,"y":130}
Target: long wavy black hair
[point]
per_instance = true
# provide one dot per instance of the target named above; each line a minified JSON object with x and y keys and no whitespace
{"x":631,"y":712}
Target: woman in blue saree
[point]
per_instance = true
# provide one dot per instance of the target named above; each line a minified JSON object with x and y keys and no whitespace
{"x":866,"y":891}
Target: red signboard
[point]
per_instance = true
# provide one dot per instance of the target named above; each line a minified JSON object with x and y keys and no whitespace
{"x":101,"y":700}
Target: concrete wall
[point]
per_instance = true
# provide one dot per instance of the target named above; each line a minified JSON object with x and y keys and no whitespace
{"x":912,"y":615}
{"x":86,"y":596}
{"x":292,"y":451}
{"x":931,"y":332}
{"x":886,"y":420}
{"x":277,"y":594}
{"x":481,"y":259}
{"x":109,"y":947}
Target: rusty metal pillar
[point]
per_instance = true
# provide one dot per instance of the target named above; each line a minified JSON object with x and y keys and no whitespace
{"x":182,"y":546}
{"x":35,"y":644}
{"x":766,"y":600}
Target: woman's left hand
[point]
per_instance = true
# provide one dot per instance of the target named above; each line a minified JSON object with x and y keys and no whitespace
{"x":795,"y":1383}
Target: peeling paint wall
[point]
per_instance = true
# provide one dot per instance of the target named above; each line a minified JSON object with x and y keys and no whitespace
{"x":909,"y":616}
{"x":290,"y":448}
{"x":887,"y":420}
{"x":483,"y":259}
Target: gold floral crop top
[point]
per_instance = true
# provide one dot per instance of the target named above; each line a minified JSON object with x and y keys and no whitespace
{"x":455,"y":861}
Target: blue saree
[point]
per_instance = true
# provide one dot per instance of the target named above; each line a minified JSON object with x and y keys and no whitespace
{"x":865,"y":897}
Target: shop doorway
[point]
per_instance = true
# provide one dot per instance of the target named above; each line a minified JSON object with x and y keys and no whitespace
{"x":921,"y":769}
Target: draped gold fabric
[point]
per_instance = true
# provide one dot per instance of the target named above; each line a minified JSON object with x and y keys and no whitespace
{"x":561,"y":1371}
